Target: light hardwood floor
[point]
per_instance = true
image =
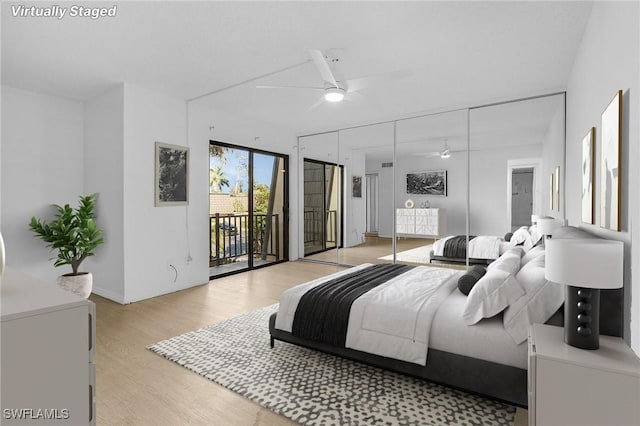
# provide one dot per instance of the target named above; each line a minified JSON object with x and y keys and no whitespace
{"x":138,"y":387}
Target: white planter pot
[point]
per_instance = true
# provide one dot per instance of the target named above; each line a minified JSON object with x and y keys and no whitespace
{"x":78,"y":284}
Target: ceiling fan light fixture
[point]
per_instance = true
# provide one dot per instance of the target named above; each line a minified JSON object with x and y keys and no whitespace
{"x":334,"y":94}
{"x":446,"y":151}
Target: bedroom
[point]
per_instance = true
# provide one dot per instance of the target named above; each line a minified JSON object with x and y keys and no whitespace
{"x":104,"y":120}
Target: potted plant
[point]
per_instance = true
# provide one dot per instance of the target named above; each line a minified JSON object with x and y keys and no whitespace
{"x":74,"y":234}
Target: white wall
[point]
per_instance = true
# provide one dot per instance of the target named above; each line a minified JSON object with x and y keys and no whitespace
{"x":607,"y":61}
{"x":455,"y":203}
{"x":55,"y":149}
{"x":103,"y":173}
{"x":488,"y":189}
{"x":385,"y":195}
{"x":355,"y":209}
{"x":42,"y":162}
{"x":553,"y":155}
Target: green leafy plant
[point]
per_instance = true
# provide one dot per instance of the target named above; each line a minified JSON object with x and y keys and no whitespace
{"x":73,"y":232}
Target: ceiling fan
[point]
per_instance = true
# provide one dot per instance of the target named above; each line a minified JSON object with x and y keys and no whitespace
{"x":334,"y":87}
{"x":445,"y":152}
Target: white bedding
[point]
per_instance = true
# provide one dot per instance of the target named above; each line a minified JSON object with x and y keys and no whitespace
{"x":481,"y":247}
{"x":392,"y":320}
{"x":487,"y":340}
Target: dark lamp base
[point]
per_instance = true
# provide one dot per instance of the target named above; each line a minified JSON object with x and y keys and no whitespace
{"x":582,"y":317}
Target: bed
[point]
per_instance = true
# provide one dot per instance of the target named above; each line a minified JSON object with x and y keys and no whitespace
{"x":483,"y":249}
{"x":388,"y":324}
{"x":482,"y":350}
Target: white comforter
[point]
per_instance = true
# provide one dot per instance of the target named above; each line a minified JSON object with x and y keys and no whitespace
{"x":393,"y":319}
{"x":481,"y":247}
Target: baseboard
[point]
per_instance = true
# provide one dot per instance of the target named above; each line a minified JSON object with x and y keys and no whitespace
{"x":108,"y":294}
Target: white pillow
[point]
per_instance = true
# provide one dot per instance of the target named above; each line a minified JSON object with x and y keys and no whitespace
{"x":534,"y":233}
{"x":541,"y":300}
{"x":532,"y":254}
{"x":496,"y":290}
{"x":523,"y":238}
{"x":509,"y":261}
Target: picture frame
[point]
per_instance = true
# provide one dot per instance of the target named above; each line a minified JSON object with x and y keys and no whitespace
{"x":610,"y":164}
{"x":557,"y":188}
{"x":551,"y":191}
{"x":356,"y":186}
{"x":427,"y":183}
{"x":588,"y":168}
{"x":171,"y":175}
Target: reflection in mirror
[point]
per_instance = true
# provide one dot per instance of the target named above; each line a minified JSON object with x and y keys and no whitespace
{"x":367,"y":155}
{"x":321,"y":217}
{"x":431,"y":185}
{"x":515,"y":148}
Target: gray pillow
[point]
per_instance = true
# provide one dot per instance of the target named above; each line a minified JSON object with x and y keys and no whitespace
{"x":470,"y":278}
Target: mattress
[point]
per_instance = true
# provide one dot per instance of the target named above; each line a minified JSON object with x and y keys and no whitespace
{"x":486,"y":340}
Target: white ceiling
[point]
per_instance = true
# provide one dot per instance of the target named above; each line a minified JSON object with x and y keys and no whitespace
{"x":459,"y":53}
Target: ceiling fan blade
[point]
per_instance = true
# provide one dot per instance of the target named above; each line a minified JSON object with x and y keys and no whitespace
{"x":319,"y":102}
{"x":323,"y":67}
{"x":359,"y":83}
{"x":289,"y":87}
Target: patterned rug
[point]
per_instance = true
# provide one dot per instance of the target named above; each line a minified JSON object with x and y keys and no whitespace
{"x":313,"y":388}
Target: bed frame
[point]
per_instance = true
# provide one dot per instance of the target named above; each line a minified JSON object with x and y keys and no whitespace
{"x":501,"y":382}
{"x":458,"y":260}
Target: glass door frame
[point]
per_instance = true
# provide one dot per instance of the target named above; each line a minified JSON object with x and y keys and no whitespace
{"x":250,"y":207}
{"x":339,"y":214}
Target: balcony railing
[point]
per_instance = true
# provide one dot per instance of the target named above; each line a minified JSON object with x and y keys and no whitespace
{"x":316,"y":224}
{"x":230,"y":237}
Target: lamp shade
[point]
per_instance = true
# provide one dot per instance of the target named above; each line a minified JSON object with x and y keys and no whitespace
{"x":546,"y":225}
{"x":588,"y":263}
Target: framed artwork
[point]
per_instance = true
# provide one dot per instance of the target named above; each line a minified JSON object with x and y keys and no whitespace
{"x":427,"y":183}
{"x":557,"y":188}
{"x":551,"y":192}
{"x":588,"y":164}
{"x":610,"y":164}
{"x":356,"y":186}
{"x":172,"y":175}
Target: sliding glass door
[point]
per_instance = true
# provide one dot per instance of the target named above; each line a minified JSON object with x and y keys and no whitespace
{"x":322,"y":202}
{"x":248,"y":208}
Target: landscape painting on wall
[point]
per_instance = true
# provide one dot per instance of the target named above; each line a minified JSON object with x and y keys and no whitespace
{"x":427,"y":183}
{"x":610,"y":165}
{"x":172,"y":175}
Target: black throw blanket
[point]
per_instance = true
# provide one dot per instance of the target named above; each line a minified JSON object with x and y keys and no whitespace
{"x":456,"y":247}
{"x":322,"y":314}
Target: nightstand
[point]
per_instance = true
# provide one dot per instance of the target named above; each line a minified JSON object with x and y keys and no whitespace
{"x":571,"y":386}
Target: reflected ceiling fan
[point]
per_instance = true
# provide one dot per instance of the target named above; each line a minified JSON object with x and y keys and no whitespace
{"x":445,"y":152}
{"x":335,"y":88}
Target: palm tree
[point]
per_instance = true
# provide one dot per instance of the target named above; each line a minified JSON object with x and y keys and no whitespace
{"x":217,"y":179}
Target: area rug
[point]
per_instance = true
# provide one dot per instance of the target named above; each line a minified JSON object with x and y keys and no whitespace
{"x":416,"y":255}
{"x":314,"y":388}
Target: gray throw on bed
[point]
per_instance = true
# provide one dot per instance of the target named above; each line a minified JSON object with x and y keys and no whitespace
{"x":456,"y":247}
{"x":322,"y":314}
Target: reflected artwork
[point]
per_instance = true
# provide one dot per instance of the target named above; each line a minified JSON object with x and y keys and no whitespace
{"x":427,"y":183}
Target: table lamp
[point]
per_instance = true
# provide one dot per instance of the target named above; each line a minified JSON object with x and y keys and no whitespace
{"x":546,"y":226}
{"x":585,"y":266}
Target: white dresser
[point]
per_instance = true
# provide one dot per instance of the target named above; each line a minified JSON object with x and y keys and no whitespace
{"x":421,"y":222}
{"x":48,"y":336}
{"x":572,"y":386}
